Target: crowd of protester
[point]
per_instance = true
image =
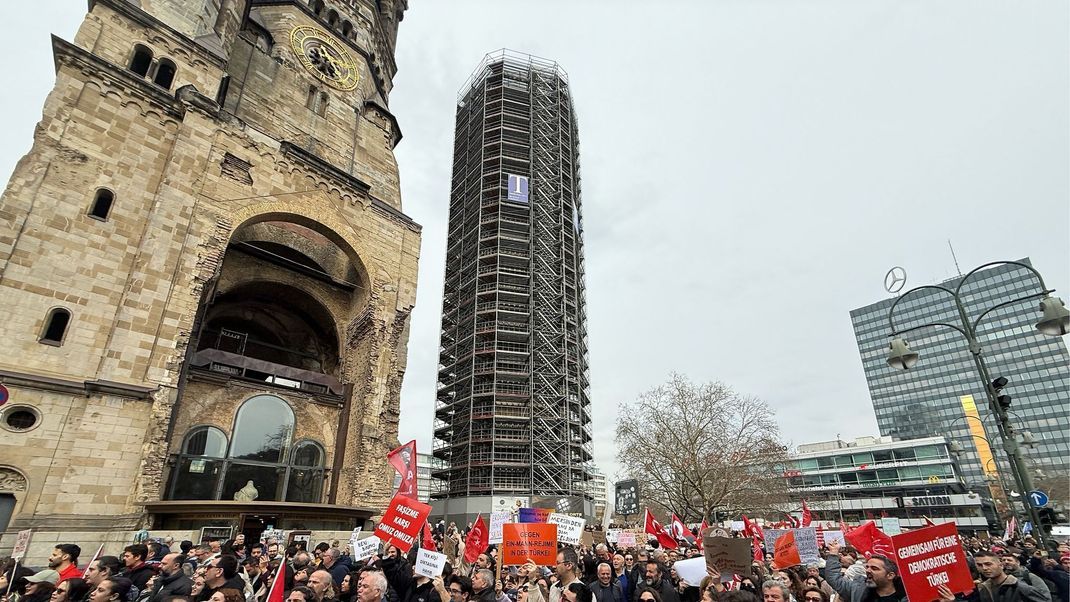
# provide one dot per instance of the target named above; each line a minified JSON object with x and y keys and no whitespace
{"x":1015,"y":570}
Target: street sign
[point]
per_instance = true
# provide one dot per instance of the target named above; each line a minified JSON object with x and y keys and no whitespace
{"x":1038,"y":498}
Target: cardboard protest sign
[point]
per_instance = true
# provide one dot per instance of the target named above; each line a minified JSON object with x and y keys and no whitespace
{"x":366,"y":548}
{"x":599,"y":536}
{"x":727,"y":555}
{"x":429,"y":564}
{"x":929,"y":558}
{"x":587,"y":538}
{"x":497,"y":519}
{"x":533,"y":515}
{"x":401,"y":524}
{"x":529,"y":541}
{"x":449,"y":546}
{"x":569,"y":528}
{"x":626,"y":539}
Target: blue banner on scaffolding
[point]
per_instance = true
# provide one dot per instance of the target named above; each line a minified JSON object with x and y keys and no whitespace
{"x":518,"y":188}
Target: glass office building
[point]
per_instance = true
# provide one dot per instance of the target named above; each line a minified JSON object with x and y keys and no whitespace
{"x":944,"y":395}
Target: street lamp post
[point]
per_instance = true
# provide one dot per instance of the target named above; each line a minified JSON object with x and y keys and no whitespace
{"x":1055,"y":321}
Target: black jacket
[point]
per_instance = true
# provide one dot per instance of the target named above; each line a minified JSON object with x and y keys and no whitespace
{"x":607,"y":593}
{"x":171,"y":585}
{"x":139,"y":575}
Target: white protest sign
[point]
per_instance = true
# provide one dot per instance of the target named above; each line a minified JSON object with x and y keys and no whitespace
{"x":805,"y":541}
{"x":890,"y":525}
{"x":429,"y":564}
{"x":692,"y":570}
{"x":737,"y":525}
{"x":354,"y":537}
{"x":612,"y":534}
{"x":626,"y":539}
{"x":366,"y":548}
{"x":569,"y":528}
{"x":835,"y":536}
{"x":22,"y":542}
{"x":497,"y":519}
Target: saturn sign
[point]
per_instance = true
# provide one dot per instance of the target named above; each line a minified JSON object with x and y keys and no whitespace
{"x":895,"y":280}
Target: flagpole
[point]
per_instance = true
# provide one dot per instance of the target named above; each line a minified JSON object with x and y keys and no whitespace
{"x":92,"y":560}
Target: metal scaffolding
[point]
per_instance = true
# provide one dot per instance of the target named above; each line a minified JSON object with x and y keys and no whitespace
{"x":513,"y":410}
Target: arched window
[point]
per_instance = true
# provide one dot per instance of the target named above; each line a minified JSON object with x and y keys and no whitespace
{"x":259,"y":462}
{"x":55,"y":326}
{"x":197,"y":471}
{"x":317,"y":6}
{"x":101,"y":206}
{"x":306,"y":473}
{"x":141,"y":60}
{"x":347,"y":28}
{"x":332,"y":18}
{"x":165,"y":74}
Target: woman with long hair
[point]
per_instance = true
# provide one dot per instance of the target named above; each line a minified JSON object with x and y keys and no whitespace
{"x":71,"y":590}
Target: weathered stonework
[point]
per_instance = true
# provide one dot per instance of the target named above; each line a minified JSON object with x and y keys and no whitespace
{"x":231,"y":197}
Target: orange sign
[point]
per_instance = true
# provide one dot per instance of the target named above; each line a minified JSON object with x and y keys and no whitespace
{"x":529,"y":541}
{"x":785,"y":552}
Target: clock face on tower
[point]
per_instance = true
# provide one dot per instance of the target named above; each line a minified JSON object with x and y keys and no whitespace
{"x":324,"y":58}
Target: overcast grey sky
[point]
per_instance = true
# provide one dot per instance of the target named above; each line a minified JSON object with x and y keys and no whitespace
{"x":751,"y":169}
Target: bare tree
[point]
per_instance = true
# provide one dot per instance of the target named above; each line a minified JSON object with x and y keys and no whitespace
{"x":702,"y":448}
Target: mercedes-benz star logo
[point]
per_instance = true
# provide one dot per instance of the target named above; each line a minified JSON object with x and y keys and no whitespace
{"x":895,"y":280}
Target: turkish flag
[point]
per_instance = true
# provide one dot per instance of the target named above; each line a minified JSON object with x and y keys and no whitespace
{"x":679,"y":530}
{"x":870,"y":540}
{"x":654,"y":528}
{"x":701,"y":533}
{"x":806,"y":517}
{"x":477,"y":541}
{"x":785,"y":552}
{"x":403,"y":459}
{"x":756,"y":546}
{"x":751,"y":528}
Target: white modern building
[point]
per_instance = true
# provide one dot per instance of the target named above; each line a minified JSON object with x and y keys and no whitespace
{"x":598,"y":489}
{"x":872,"y":478}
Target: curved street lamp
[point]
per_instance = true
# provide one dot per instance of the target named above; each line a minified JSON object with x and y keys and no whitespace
{"x":1054,"y":321}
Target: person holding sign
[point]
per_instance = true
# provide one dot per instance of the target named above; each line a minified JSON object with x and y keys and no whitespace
{"x":882,"y":582}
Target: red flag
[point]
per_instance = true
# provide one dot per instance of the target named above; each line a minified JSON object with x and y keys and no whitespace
{"x":929,"y":522}
{"x":403,"y":459}
{"x":870,"y":540}
{"x":654,"y":528}
{"x":756,"y":546}
{"x":752,"y":529}
{"x":701,"y":531}
{"x":820,"y":531}
{"x":429,"y":538}
{"x":679,"y":530}
{"x":792,"y":521}
{"x":807,"y":518}
{"x":477,"y":541}
{"x":278,"y":585}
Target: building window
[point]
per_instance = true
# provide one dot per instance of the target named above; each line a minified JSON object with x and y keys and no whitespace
{"x":258,"y":463}
{"x":165,"y":74}
{"x":141,"y":60}
{"x":20,"y":418}
{"x":55,"y":326}
{"x":321,"y":108}
{"x":101,"y":206}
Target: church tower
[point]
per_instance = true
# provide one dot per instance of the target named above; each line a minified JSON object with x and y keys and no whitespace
{"x":207,"y":277}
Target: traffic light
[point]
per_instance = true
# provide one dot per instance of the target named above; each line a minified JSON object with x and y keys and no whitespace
{"x":1004,"y":401}
{"x":1047,"y":517}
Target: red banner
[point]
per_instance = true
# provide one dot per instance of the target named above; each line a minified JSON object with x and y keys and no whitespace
{"x":929,"y":558}
{"x":403,"y":459}
{"x":529,"y":541}
{"x":785,"y":552}
{"x":402,"y":522}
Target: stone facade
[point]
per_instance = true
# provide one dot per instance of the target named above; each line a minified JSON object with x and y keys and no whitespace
{"x":227,"y":185}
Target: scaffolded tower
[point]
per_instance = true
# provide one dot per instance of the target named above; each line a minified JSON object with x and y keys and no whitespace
{"x":513,"y":412}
